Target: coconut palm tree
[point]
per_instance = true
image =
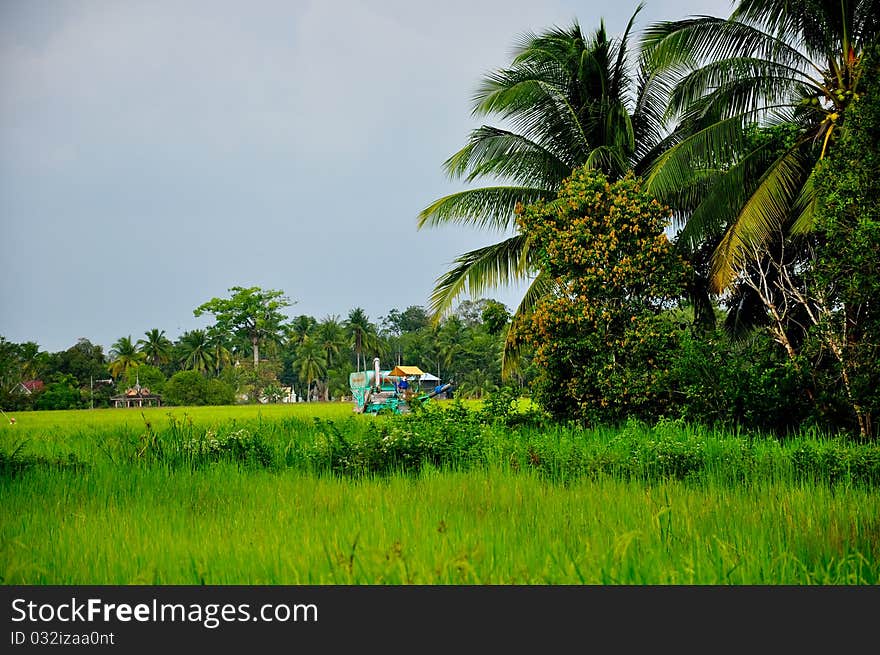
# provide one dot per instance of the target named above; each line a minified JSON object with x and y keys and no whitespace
{"x":773,"y":63}
{"x":195,"y":351}
{"x":361,"y":333}
{"x":570,"y":100}
{"x":220,"y":345}
{"x":310,"y":356}
{"x":123,"y":356}
{"x":330,"y":334}
{"x":299,"y":328}
{"x":450,"y":339}
{"x":156,"y":347}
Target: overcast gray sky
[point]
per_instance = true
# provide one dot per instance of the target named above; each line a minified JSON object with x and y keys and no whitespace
{"x":154,"y":154}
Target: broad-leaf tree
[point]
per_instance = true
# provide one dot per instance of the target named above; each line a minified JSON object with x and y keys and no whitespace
{"x":251,"y":313}
{"x":601,"y":343}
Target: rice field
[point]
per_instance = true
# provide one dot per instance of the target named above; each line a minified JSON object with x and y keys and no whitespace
{"x":117,"y":497}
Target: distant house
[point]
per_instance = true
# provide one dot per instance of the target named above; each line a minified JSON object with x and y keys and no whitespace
{"x":137,"y":396}
{"x":31,"y":386}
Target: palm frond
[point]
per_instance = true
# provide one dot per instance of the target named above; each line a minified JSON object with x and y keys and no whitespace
{"x":486,"y":207}
{"x":727,"y":194}
{"x":763,"y":215}
{"x":494,"y":152}
{"x":738,"y":85}
{"x":692,"y":41}
{"x":620,"y":78}
{"x":709,"y":147}
{"x":804,"y":206}
{"x":476,"y":271}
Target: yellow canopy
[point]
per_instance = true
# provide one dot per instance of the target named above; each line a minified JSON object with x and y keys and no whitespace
{"x":405,"y":370}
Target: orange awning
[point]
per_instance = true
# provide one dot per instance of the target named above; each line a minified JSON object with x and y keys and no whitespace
{"x":399,"y":371}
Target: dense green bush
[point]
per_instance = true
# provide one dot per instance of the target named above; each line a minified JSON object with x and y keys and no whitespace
{"x":746,"y":383}
{"x":193,"y":388}
{"x":59,"y":395}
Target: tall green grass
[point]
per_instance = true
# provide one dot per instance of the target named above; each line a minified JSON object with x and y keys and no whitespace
{"x":448,"y":496}
{"x":223,"y":526}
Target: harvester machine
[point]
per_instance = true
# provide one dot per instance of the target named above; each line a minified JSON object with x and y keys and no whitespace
{"x":378,"y":390}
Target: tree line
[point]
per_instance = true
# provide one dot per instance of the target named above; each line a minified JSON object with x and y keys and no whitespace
{"x":253,"y":350}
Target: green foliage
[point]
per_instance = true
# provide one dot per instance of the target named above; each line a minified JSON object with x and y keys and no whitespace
{"x":194,"y":352}
{"x":124,"y":356}
{"x":156,"y":347}
{"x":146,"y":375}
{"x":772,"y":63}
{"x":846,"y":271}
{"x":745,"y":384}
{"x":63,"y":394}
{"x":218,"y":392}
{"x":251,"y":313}
{"x":601,"y":344}
{"x":192,"y":388}
{"x":569,"y":98}
{"x":412,"y":319}
{"x":495,"y":316}
{"x":84,"y":361}
{"x":238,"y":446}
{"x":250,"y":381}
{"x":186,"y":388}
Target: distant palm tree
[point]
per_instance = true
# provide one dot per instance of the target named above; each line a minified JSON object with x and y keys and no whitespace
{"x":476,"y":384}
{"x":220,"y":348}
{"x":311,"y":362}
{"x":29,"y":356}
{"x":195,"y":351}
{"x":330,"y":334}
{"x":123,"y":356}
{"x":156,"y":347}
{"x":450,"y":337}
{"x":361,"y":333}
{"x":299,"y":328}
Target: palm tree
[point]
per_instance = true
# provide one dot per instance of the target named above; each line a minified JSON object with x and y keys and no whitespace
{"x":195,"y":351}
{"x":361,"y":333}
{"x":299,"y":328}
{"x":220,"y":346}
{"x":774,"y":62}
{"x":571,"y":101}
{"x":123,"y":356}
{"x":330,"y":335}
{"x":29,"y":356}
{"x":450,"y":338}
{"x":156,"y":347}
{"x":311,"y":362}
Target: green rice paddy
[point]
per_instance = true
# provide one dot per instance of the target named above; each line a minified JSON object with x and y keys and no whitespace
{"x":118,"y":497}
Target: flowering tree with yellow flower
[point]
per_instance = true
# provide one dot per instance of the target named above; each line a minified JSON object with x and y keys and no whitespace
{"x":604,"y":341}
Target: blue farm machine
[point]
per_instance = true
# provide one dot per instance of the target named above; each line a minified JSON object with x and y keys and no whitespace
{"x":389,"y":390}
